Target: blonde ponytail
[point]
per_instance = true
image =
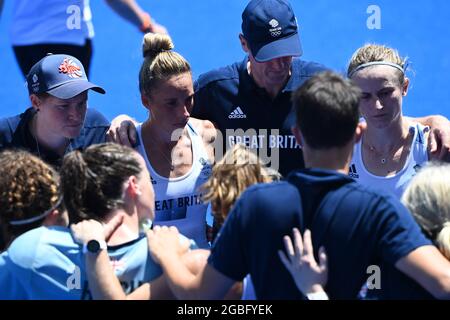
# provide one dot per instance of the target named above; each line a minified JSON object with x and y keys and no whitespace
{"x":443,"y":240}
{"x":160,"y":62}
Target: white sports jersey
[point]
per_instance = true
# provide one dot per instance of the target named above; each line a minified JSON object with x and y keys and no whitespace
{"x":178,"y":201}
{"x":51,"y":21}
{"x":398,"y":182}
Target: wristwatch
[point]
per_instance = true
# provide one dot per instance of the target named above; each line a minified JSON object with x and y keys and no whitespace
{"x":147,"y":25}
{"x":94,"y":246}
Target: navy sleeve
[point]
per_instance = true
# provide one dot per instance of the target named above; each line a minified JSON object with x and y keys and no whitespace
{"x":4,"y":136}
{"x":227,"y":254}
{"x":209,"y":90}
{"x":400,"y":234}
{"x":7,"y":127}
{"x":95,"y":119}
{"x":95,"y":128}
{"x":199,"y":110}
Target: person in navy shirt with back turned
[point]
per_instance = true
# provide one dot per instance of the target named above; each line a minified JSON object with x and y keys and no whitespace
{"x":59,"y":120}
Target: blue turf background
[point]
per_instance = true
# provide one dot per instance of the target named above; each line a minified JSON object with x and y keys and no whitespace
{"x":206,"y":33}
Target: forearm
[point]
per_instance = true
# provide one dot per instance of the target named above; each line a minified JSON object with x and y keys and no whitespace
{"x":103,"y":283}
{"x":431,"y":120}
{"x":129,"y":10}
{"x":439,"y":137}
{"x":1,"y":7}
{"x":183,"y":283}
{"x":429,"y":268}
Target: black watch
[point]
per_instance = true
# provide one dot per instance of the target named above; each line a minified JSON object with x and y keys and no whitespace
{"x":94,"y":246}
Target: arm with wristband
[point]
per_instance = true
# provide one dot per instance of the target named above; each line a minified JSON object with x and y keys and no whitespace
{"x":132,"y":12}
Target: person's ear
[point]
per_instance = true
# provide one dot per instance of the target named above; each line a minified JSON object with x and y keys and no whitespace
{"x":145,"y":101}
{"x":405,"y":87}
{"x":35,"y":102}
{"x":132,"y":187}
{"x":360,"y":128}
{"x":298,"y":135}
{"x":244,"y":43}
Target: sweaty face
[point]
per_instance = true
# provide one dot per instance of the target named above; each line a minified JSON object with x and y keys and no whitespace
{"x":171,"y":101}
{"x":382,"y":95}
{"x":63,"y":117}
{"x":272,"y":73}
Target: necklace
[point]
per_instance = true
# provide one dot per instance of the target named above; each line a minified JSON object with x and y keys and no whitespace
{"x":382,"y":160}
{"x":385,"y":156}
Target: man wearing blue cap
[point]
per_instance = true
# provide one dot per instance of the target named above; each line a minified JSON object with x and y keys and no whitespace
{"x":59,"y":120}
{"x":255,"y":93}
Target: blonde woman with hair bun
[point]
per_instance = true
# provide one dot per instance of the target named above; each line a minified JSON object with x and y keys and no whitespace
{"x":174,"y":145}
{"x":427,"y":197}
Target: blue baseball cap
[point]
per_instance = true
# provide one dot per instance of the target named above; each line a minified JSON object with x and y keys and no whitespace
{"x":271,"y":30}
{"x":60,"y":75}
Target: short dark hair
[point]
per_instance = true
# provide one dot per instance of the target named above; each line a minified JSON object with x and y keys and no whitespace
{"x":327,"y":112}
{"x":92,"y":180}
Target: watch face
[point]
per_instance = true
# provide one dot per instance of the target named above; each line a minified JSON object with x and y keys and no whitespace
{"x":93,"y":246}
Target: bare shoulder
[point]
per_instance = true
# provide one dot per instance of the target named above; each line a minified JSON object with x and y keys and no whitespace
{"x":201,"y":124}
{"x":205,"y":128}
{"x":208,"y":132}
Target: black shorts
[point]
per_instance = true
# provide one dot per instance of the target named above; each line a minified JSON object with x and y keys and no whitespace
{"x":27,"y":56}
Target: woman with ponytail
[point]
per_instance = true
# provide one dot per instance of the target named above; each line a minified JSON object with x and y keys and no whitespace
{"x":174,"y":145}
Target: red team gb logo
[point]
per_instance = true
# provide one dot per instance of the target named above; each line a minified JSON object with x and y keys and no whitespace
{"x":70,"y":68}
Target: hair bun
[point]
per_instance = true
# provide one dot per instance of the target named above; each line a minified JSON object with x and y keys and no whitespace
{"x":155,"y":43}
{"x":443,"y":240}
